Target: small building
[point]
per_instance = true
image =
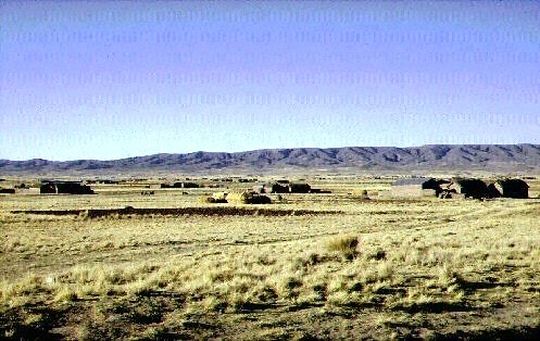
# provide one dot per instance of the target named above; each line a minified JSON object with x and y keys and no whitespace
{"x":416,"y":187}
{"x":244,"y":180}
{"x":61,"y":186}
{"x":286,"y":187}
{"x":469,"y":188}
{"x":108,"y":182}
{"x":184,"y":184}
{"x":180,"y":184}
{"x":278,"y":188}
{"x":296,"y":187}
{"x":509,"y":188}
{"x":7,"y":190}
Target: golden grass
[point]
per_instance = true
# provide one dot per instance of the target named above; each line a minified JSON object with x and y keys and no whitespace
{"x":345,"y":245}
{"x":383,"y":261}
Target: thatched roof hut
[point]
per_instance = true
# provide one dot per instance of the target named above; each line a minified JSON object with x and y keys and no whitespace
{"x":278,"y":188}
{"x":470,"y":188}
{"x":494,"y":190}
{"x":509,"y":188}
{"x":184,"y":184}
{"x":299,"y":188}
{"x":66,"y":187}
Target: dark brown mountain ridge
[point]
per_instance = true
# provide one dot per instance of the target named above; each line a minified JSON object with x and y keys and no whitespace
{"x":515,"y":157}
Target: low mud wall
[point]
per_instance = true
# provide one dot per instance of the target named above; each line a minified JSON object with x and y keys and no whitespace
{"x":204,"y":211}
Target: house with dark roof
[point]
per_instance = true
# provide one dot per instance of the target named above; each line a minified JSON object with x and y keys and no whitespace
{"x":469,"y":188}
{"x":509,"y":188}
{"x":63,"y":187}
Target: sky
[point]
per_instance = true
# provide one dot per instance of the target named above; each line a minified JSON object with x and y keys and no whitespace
{"x":114,"y":79}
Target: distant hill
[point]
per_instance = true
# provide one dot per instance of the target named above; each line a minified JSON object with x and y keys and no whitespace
{"x":519,"y":157}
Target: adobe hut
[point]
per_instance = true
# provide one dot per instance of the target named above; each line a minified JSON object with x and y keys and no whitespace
{"x":469,"y":188}
{"x":107,"y":182}
{"x":494,"y":190}
{"x":244,"y":180}
{"x":278,"y":188}
{"x":509,"y":188}
{"x":299,"y":188}
{"x":186,"y":185}
{"x":284,"y":186}
{"x":66,"y":187}
{"x":416,"y":187}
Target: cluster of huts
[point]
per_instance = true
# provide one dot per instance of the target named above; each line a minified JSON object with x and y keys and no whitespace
{"x":180,"y":184}
{"x":257,"y":194}
{"x":415,"y":187}
{"x":63,"y":186}
{"x":285,"y":186}
{"x":460,"y":188}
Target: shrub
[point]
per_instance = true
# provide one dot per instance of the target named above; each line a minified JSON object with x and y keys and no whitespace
{"x":346,"y":245}
{"x":360,"y":194}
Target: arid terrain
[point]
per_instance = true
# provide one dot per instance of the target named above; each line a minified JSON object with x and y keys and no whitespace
{"x":307,"y":266}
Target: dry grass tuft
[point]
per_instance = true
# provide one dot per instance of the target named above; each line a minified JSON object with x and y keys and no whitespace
{"x":360,"y":194}
{"x":345,"y":245}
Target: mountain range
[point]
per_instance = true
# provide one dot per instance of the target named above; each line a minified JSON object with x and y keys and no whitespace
{"x":516,"y":157}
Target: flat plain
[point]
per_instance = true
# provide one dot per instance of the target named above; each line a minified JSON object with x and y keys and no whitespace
{"x":335,"y":266}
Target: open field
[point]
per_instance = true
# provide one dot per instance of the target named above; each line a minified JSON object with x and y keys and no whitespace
{"x":324,"y":266}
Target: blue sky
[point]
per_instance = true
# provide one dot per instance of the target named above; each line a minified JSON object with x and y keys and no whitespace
{"x":111,"y":79}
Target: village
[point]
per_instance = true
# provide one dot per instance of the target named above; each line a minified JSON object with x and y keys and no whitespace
{"x":252,"y":190}
{"x":404,"y":187}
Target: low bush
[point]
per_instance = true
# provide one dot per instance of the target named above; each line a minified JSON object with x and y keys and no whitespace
{"x":345,"y":245}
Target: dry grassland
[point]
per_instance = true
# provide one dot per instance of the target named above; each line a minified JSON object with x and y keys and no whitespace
{"x":380,"y":269}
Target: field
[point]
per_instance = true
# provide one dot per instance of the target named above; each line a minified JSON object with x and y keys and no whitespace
{"x":314,"y":266}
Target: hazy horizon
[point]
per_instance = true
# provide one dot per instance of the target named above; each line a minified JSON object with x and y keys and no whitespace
{"x":111,"y":80}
